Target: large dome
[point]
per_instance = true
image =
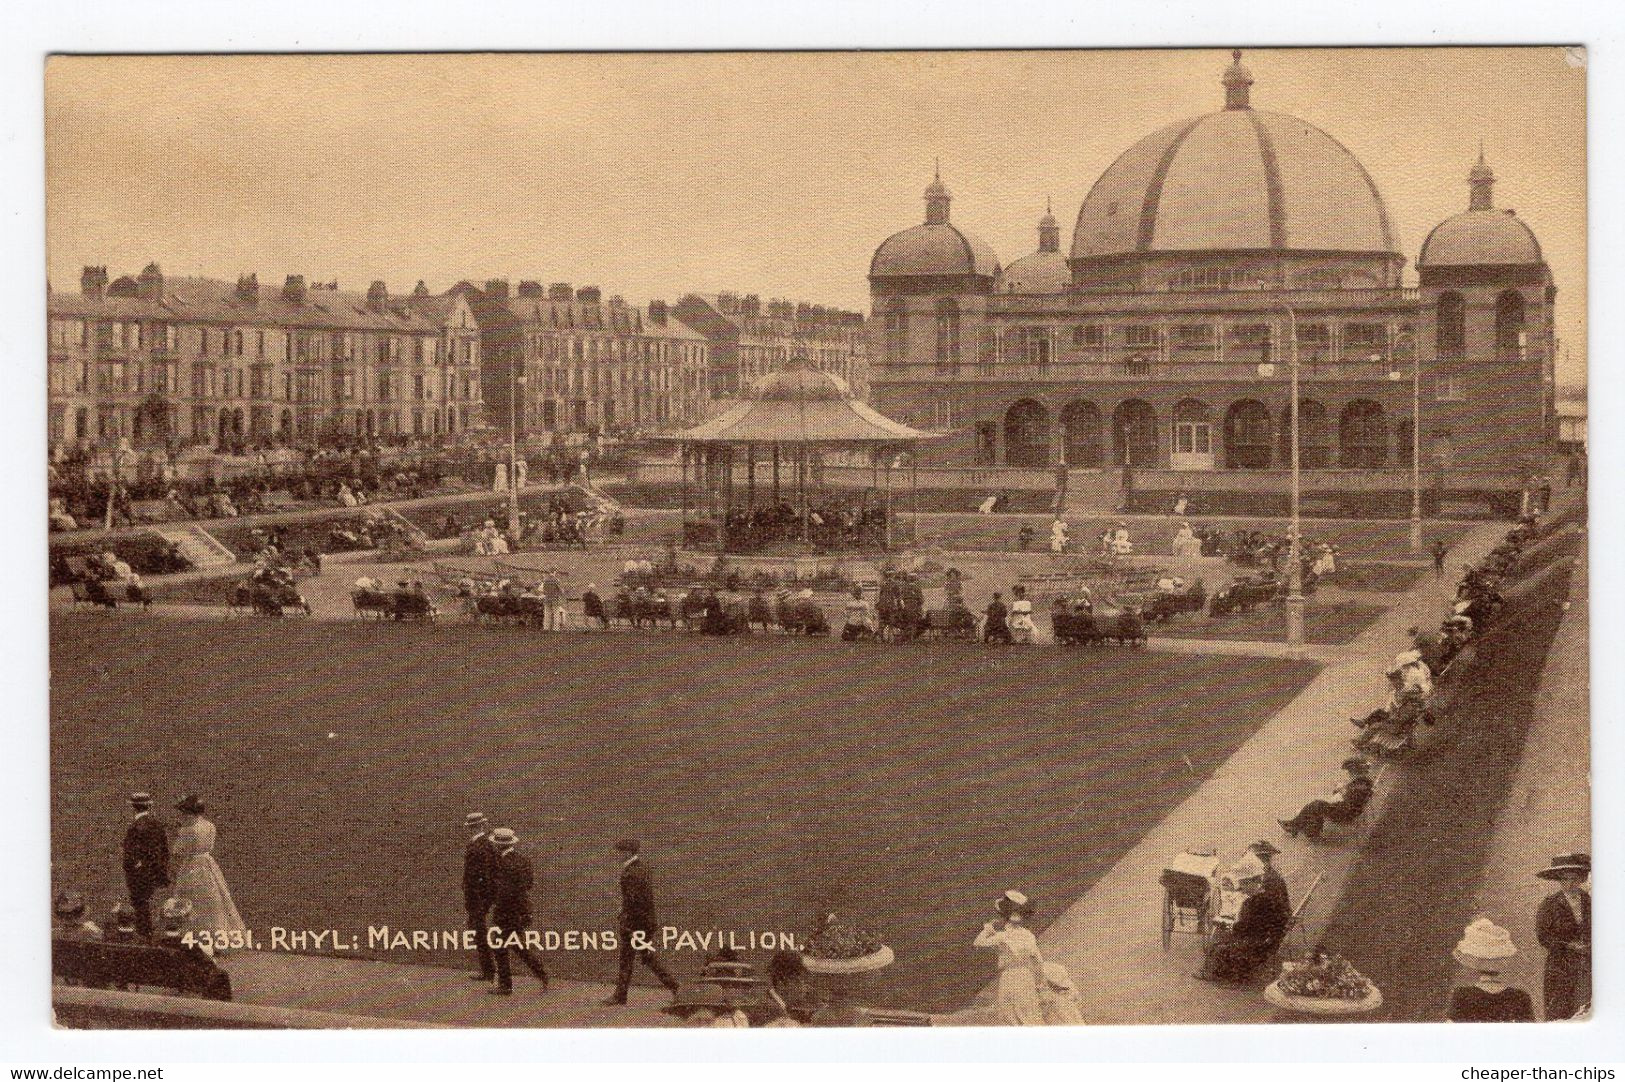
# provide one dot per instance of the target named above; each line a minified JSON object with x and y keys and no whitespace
{"x":1236,"y":180}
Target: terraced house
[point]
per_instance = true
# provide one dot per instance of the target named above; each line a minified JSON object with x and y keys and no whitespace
{"x":151,"y":362}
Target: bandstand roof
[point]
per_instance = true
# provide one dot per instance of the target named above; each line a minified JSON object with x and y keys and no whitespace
{"x":801,"y":405}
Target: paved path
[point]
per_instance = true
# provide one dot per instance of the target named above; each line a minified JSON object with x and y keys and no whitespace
{"x":433,"y":994}
{"x":1111,"y":938}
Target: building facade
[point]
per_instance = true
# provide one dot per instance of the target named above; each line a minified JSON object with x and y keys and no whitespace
{"x":587,"y":365}
{"x":150,"y":362}
{"x":749,"y":339}
{"x":1163,"y":339}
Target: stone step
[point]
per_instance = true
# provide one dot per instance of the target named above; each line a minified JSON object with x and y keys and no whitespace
{"x":199,"y":547}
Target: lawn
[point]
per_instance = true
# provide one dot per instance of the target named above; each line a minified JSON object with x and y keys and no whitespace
{"x":1325,"y":623}
{"x":767,"y":778}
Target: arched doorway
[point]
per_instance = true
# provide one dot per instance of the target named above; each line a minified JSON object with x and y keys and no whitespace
{"x":1248,"y":436}
{"x":1314,"y":437}
{"x":1026,"y":434}
{"x":1081,"y":429}
{"x":1362,"y":435}
{"x":1134,"y":434}
{"x":151,"y":423}
{"x":1193,"y":436}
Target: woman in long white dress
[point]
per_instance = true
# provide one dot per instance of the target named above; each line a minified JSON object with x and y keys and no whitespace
{"x":197,"y":877}
{"x":1021,"y":967}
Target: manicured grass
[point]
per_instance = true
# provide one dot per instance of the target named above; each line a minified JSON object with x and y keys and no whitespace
{"x":1325,"y":623}
{"x":1377,"y":577}
{"x":767,"y":777}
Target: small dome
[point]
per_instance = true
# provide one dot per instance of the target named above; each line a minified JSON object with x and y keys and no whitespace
{"x":800,"y":382}
{"x":1040,"y":272}
{"x":1480,"y":238}
{"x":933,"y":249}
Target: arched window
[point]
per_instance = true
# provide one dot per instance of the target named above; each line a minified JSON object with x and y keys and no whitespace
{"x":1450,"y":316}
{"x":947,"y":334}
{"x":1134,"y":434}
{"x":1314,"y":437}
{"x":1508,"y":322}
{"x":1362,"y":434}
{"x":1248,"y":436}
{"x":896,"y":328}
{"x":1026,"y":434}
{"x":1080,"y":423}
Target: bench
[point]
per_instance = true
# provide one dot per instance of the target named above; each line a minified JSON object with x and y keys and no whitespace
{"x":95,"y":963}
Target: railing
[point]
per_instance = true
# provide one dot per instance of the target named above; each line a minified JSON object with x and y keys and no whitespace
{"x":1249,"y":300}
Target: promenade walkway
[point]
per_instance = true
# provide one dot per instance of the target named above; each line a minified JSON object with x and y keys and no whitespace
{"x":1548,"y":810}
{"x":433,"y":995}
{"x":1110,"y":939}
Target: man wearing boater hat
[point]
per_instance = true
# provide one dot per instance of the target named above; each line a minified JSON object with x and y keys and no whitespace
{"x":1274,"y":884}
{"x":511,"y":880}
{"x":1563,"y":926}
{"x":479,"y":866}
{"x":146,"y":860}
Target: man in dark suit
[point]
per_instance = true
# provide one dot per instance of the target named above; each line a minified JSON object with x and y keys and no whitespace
{"x":1563,"y":926}
{"x":638,"y":927}
{"x":479,"y":868}
{"x":511,"y":880}
{"x":146,"y":860}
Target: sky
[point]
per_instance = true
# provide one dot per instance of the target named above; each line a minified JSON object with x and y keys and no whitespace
{"x":652,"y":175}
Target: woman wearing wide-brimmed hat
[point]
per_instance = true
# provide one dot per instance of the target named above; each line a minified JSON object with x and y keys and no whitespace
{"x":1486,"y":948}
{"x":1021,"y":967}
{"x":198,"y":878}
{"x":1563,"y":926}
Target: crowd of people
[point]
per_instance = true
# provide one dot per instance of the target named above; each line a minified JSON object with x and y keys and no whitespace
{"x":830,"y":526}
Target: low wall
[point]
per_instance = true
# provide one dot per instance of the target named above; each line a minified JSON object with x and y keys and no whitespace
{"x":96,"y":1008}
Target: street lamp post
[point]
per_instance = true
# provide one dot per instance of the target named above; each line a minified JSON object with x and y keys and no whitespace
{"x":1402,"y":343}
{"x":513,"y":456}
{"x":1294,"y":581}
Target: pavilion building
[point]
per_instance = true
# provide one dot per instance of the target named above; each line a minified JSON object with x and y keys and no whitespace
{"x":1160,"y":341}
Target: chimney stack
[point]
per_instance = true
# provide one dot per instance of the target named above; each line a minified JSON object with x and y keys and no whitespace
{"x":588,"y":295}
{"x":293,"y":290}
{"x":497,"y":288}
{"x":560,"y":291}
{"x":151,"y":283}
{"x":93,"y":282}
{"x":377,"y":295}
{"x":248,"y":287}
{"x":528,"y":288}
{"x":657,"y":313}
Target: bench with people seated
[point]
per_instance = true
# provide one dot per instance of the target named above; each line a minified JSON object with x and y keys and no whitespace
{"x":109,"y":595}
{"x":95,"y":963}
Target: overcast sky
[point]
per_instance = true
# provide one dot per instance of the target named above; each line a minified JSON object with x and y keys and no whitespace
{"x":653,"y":175}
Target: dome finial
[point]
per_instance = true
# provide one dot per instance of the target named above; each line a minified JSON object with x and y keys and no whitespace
{"x":937,"y":199}
{"x":1049,"y":233}
{"x":1237,"y":83}
{"x":1481,"y":184}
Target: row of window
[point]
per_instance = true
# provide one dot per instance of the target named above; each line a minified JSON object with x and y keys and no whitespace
{"x":255,"y":381}
{"x":231,"y":342}
{"x":551,"y":348}
{"x":207,"y":424}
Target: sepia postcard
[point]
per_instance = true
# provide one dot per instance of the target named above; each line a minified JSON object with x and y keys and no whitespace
{"x":818,"y":539}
